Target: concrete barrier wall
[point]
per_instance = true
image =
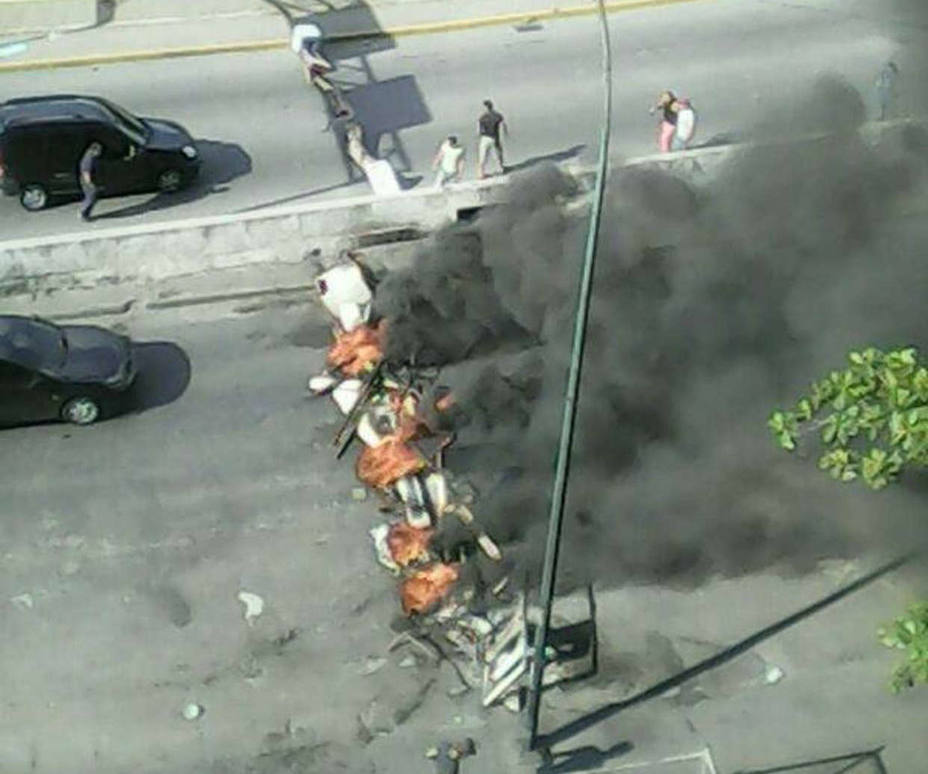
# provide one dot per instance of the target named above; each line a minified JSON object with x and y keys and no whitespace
{"x":44,"y":15}
{"x":153,"y":252}
{"x":176,"y":248}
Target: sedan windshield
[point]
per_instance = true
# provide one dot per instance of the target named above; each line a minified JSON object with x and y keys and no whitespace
{"x":33,"y":344}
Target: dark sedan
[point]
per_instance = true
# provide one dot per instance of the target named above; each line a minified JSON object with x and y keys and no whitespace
{"x":76,"y":373}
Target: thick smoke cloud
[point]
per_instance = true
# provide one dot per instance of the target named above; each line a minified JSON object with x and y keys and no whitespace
{"x":712,"y":305}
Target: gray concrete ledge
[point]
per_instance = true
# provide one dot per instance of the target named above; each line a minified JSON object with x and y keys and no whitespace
{"x":289,"y":235}
{"x":46,"y":15}
{"x":153,"y":252}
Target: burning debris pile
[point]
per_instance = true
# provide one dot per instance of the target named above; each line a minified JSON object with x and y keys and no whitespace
{"x":397,"y":415}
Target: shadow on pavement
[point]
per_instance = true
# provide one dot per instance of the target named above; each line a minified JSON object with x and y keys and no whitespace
{"x":385,"y":107}
{"x":582,"y":758}
{"x":222,"y":162}
{"x":867,"y":761}
{"x":382,"y":108}
{"x":299,"y":196}
{"x":163,"y":375}
{"x":596,"y":716}
{"x":722,"y":138}
{"x":563,"y":155}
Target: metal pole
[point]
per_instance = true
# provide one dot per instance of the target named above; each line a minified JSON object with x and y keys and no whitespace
{"x":559,"y":491}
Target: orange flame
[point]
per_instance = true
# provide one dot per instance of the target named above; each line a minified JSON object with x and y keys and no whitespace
{"x":354,"y":352}
{"x":425,"y":588}
{"x":408,"y":544}
{"x":382,"y":465}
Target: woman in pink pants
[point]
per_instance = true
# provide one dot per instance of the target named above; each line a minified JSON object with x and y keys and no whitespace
{"x":668,"y":124}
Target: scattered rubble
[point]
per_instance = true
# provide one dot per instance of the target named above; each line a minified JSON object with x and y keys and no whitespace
{"x":391,"y":411}
{"x":372,"y":665}
{"x":447,"y":755}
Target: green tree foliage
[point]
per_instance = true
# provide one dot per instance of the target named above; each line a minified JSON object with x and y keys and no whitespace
{"x":873,"y":417}
{"x":909,"y":633}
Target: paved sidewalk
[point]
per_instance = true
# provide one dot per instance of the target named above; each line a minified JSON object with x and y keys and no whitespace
{"x":154,"y":29}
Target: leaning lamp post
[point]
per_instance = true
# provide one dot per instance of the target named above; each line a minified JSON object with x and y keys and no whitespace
{"x":562,"y":467}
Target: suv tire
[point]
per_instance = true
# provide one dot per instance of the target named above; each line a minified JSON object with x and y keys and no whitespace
{"x":33,"y":197}
{"x":169,"y":180}
{"x":81,"y":411}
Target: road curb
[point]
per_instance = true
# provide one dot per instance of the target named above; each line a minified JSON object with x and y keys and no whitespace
{"x":429,"y":28}
{"x":234,"y":295}
{"x":95,"y":311}
{"x":136,"y":304}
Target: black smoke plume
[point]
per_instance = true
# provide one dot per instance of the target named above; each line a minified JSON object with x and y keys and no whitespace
{"x":712,"y":305}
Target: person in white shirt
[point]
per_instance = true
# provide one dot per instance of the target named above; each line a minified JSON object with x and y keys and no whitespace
{"x":686,"y":124}
{"x":449,"y":161}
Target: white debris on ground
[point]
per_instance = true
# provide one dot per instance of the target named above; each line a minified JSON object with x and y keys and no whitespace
{"x":22,"y":601}
{"x":773,"y":675}
{"x":401,"y":462}
{"x":254,"y":606}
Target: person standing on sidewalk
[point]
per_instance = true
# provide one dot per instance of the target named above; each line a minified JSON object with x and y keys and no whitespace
{"x":668,"y":124}
{"x":449,"y":161}
{"x":886,"y":89}
{"x":489,"y":126}
{"x":686,"y":124}
{"x":88,"y":168}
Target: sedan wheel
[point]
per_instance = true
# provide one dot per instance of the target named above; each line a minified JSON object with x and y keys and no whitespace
{"x":33,"y":197}
{"x":81,"y":411}
{"x":169,"y":180}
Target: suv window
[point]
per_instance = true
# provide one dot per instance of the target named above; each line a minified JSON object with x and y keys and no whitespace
{"x":14,"y":377}
{"x":115,"y":144}
{"x":66,"y":145}
{"x":24,"y":147}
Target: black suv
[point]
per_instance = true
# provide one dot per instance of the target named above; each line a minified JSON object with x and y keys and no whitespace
{"x":42,"y":140}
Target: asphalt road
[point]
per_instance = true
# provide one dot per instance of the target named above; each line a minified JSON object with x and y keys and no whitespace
{"x":124,"y":546}
{"x":132,"y":540}
{"x":262,"y":130}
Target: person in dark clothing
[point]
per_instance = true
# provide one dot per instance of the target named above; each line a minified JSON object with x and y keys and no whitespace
{"x":489,"y":126}
{"x":88,"y":166}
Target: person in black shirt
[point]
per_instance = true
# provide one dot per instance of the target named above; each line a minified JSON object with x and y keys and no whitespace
{"x":88,"y":165}
{"x":489,"y":126}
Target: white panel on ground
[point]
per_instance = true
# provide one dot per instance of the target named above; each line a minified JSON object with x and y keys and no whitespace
{"x":381,"y":177}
